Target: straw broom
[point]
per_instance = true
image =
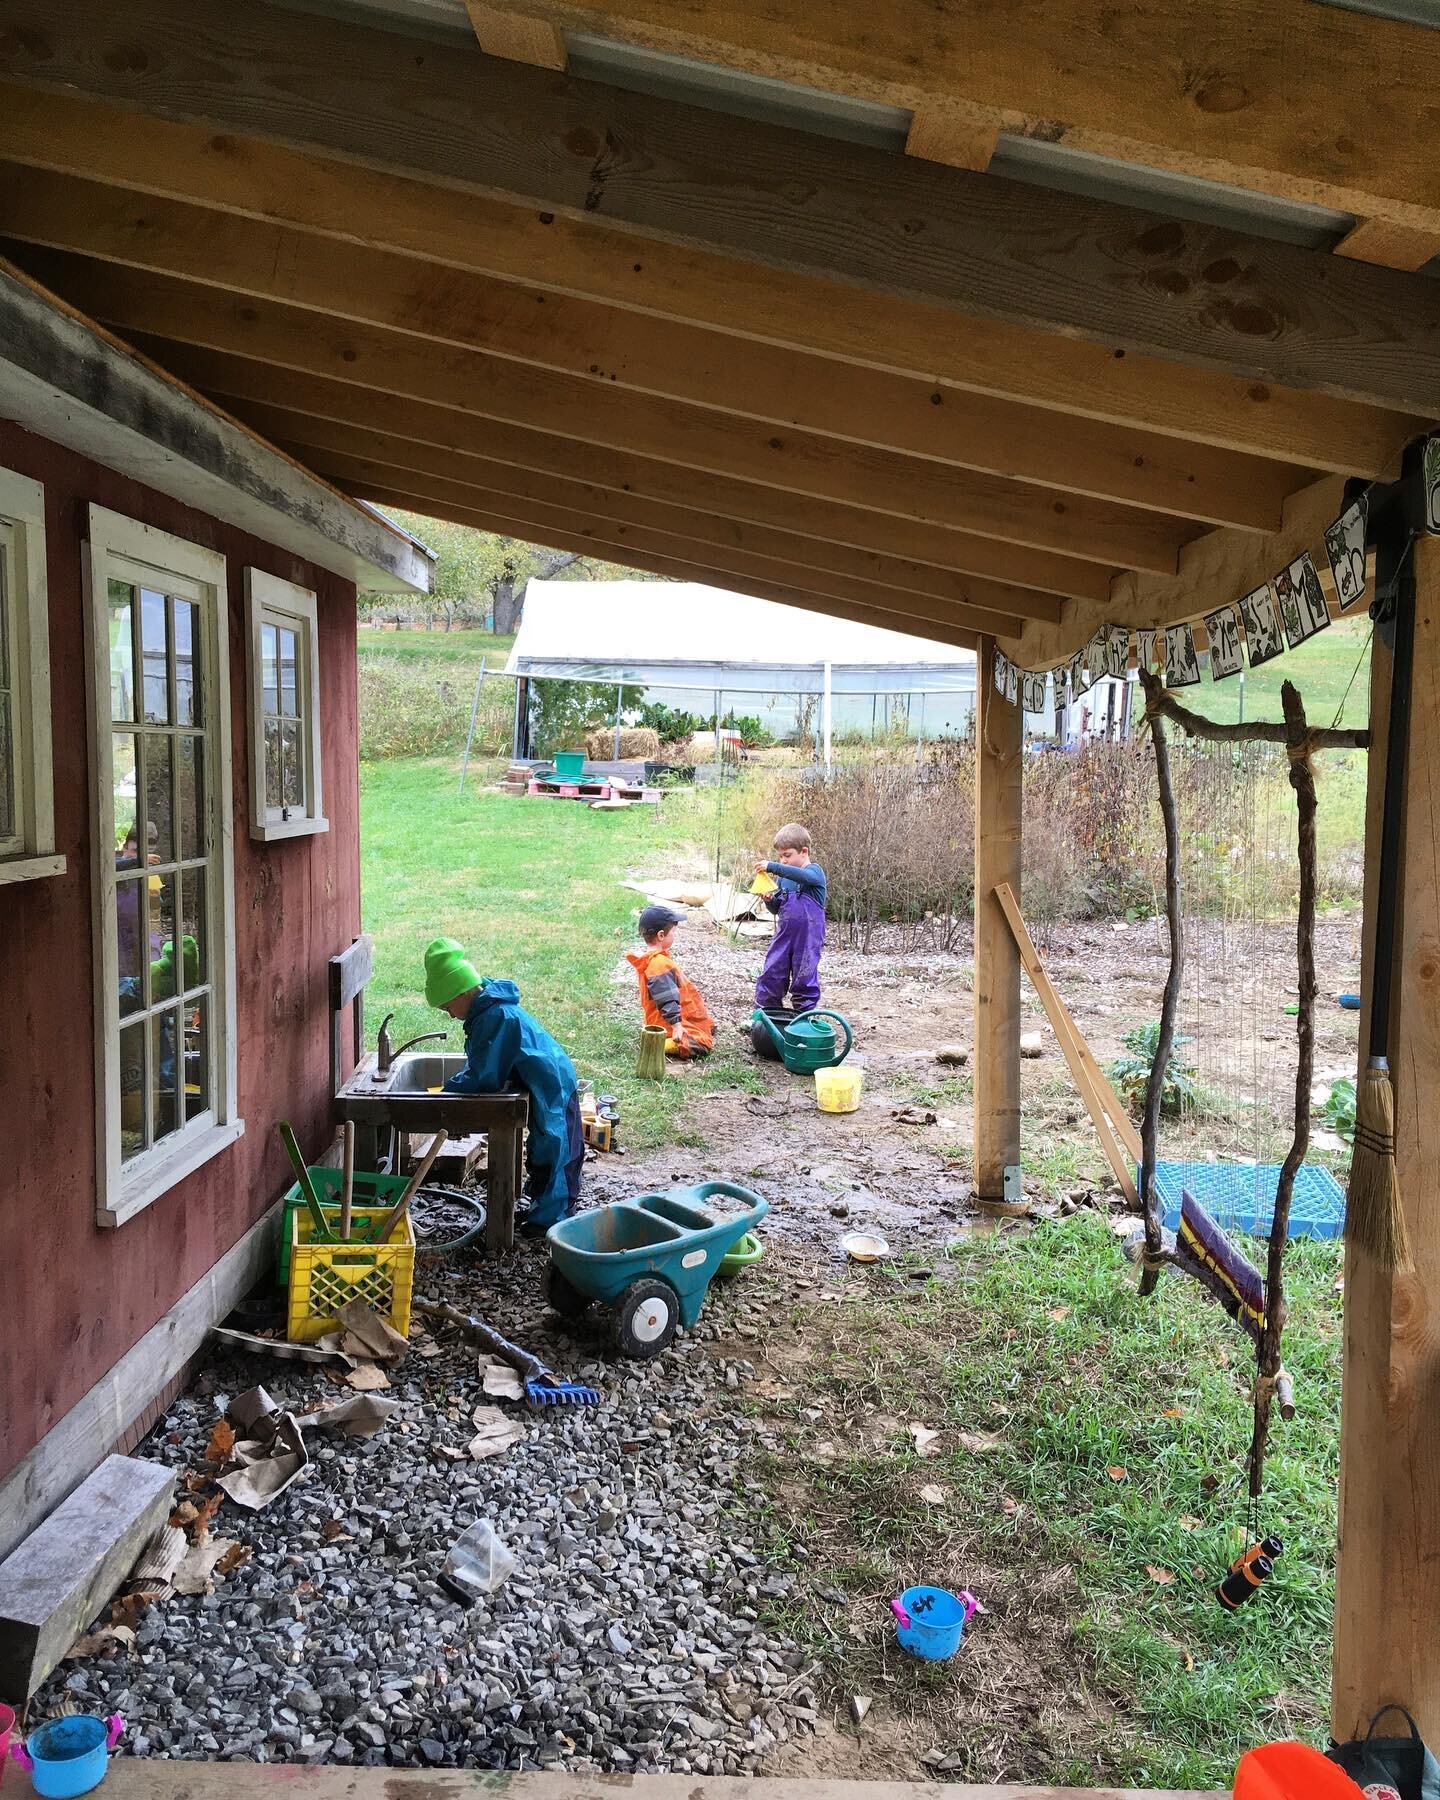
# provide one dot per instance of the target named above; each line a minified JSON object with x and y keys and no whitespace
{"x":1374,"y":1216}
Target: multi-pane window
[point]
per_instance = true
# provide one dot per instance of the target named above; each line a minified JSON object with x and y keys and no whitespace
{"x":284,"y":709}
{"x":27,"y":832}
{"x":166,"y":911}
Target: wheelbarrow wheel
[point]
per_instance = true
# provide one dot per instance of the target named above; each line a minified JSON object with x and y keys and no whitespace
{"x":564,"y":1297}
{"x":646,"y":1318}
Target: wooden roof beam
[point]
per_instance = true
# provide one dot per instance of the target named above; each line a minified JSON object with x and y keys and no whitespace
{"x":569,"y":506}
{"x":969,"y":244}
{"x":635,"y":555}
{"x":429,"y":440}
{"x":608,"y":345}
{"x":1214,"y":570}
{"x":1313,"y":105}
{"x":450,"y":229}
{"x":390,"y":363}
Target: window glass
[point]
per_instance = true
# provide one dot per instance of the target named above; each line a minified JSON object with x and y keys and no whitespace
{"x":162,"y":870}
{"x":269,"y":671}
{"x":289,"y":694}
{"x":122,"y":651}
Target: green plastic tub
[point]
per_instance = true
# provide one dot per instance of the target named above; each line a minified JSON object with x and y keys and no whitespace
{"x":569,"y":764}
{"x":745,"y":1254}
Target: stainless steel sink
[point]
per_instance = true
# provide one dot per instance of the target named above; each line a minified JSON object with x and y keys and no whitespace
{"x":421,"y":1071}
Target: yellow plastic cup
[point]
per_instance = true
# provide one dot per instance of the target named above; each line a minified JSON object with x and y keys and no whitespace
{"x":837,"y":1090}
{"x":764,"y":883}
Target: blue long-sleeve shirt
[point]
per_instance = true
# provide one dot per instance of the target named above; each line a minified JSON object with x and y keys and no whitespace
{"x":807,"y":878}
{"x":506,"y":1048}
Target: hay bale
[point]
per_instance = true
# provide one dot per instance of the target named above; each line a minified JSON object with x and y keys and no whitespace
{"x":638,"y":743}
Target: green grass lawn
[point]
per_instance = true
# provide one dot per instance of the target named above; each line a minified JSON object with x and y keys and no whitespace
{"x":531,"y":890}
{"x":1108,"y":1440}
{"x":1322,"y":668}
{"x":411,"y":644}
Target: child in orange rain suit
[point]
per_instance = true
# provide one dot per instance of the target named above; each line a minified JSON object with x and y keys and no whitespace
{"x":667,"y":997}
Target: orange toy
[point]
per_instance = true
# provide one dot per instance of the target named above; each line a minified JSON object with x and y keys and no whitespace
{"x":1291,"y":1771}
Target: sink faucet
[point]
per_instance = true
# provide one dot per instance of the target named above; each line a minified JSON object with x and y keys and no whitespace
{"x":385,"y":1055}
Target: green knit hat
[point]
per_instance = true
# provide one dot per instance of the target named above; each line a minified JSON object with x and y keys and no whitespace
{"x":162,"y":970}
{"x":447,"y":973}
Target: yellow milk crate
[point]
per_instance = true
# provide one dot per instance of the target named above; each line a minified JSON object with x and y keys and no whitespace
{"x":323,"y":1277}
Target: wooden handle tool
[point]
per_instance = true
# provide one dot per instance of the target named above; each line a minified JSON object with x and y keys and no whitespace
{"x":402,"y":1206}
{"x":318,"y":1222}
{"x":347,"y":1178}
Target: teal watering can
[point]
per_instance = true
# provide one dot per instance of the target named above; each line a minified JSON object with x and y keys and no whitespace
{"x":806,"y":1042}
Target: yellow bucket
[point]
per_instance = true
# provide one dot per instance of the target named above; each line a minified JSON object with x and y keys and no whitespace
{"x":837,"y":1090}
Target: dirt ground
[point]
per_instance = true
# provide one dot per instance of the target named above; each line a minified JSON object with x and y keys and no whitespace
{"x":1029,"y":1703}
{"x":826,"y":1173}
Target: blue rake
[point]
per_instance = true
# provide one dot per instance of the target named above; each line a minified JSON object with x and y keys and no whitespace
{"x":543,"y":1387}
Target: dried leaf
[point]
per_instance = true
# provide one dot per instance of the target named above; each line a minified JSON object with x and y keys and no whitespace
{"x":222,"y":1442}
{"x":186,"y":1513}
{"x":369,"y":1378}
{"x":205,"y":1512}
{"x":1188,"y":1522}
{"x":980,"y":1443}
{"x":1187,"y":1661}
{"x":129,"y":1609}
{"x":1209,"y":1483}
{"x":932,"y":1495}
{"x":194,"y":1574}
{"x":109,"y":1640}
{"x":927,"y":1442}
{"x":1118,"y":1472}
{"x":1009,"y":1505}
{"x":1059,"y":1312}
{"x":332,"y":1530}
{"x":494,"y":1433}
{"x":1174,"y":1412}
{"x":234,"y":1557}
{"x":1163,"y":1576}
{"x":427,"y":1347}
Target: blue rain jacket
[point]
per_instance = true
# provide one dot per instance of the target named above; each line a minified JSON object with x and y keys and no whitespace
{"x":506,"y":1048}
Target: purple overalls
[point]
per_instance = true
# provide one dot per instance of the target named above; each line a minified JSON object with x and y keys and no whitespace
{"x":792,"y":963}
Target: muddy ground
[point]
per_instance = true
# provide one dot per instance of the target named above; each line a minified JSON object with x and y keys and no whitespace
{"x":825,"y":1174}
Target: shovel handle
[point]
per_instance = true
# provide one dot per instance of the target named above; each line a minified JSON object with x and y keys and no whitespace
{"x":21,"y":1755}
{"x":347,"y":1178}
{"x":320,"y":1225}
{"x":402,"y":1206}
{"x":900,"y":1613}
{"x":114,"y":1734}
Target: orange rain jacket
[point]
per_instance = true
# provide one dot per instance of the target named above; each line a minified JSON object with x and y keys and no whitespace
{"x":671,"y":999}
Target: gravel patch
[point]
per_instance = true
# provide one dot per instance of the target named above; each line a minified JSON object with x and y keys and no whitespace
{"x":630,"y":1637}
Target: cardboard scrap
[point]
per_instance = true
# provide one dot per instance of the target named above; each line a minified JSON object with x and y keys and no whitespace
{"x":369,"y":1378}
{"x":499,"y":1380}
{"x":327,"y":1350}
{"x":194,"y":1574}
{"x":494,"y":1433}
{"x":109,"y":1640}
{"x":361,"y":1417}
{"x":269,"y":1450}
{"x":368,"y":1335}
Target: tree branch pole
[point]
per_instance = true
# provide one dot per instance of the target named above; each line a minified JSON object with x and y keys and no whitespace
{"x":1158,"y":702}
{"x":1269,"y":1375}
{"x":1155,"y":1087}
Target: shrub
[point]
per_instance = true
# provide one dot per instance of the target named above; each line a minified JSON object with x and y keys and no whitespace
{"x":1131,"y":1072}
{"x":407,"y":708}
{"x":670,"y":724}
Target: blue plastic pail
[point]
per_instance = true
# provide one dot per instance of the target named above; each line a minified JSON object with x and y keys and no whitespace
{"x":930,"y":1621}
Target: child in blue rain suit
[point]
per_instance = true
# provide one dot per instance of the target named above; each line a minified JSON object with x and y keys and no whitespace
{"x":506,"y":1049}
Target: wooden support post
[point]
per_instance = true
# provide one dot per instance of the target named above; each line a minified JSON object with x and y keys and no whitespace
{"x":997,"y":960}
{"x":1388,"y":1592}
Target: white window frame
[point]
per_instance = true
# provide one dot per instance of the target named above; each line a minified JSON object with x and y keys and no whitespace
{"x":24,"y":592}
{"x":123,"y":1191}
{"x":271,"y":601}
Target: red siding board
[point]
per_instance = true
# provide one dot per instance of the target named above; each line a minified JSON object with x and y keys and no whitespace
{"x":78,"y":1297}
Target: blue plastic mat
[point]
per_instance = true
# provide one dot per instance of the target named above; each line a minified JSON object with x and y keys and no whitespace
{"x":1241,"y":1197}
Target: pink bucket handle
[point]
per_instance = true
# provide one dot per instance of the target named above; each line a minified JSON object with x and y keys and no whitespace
{"x":900,"y":1613}
{"x":22,"y":1756}
{"x":969,"y":1602}
{"x":117,"y":1726}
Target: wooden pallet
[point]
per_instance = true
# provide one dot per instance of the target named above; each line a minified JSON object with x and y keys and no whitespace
{"x":552,"y":788}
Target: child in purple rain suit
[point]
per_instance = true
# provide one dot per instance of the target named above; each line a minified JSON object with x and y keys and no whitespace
{"x":792,"y":963}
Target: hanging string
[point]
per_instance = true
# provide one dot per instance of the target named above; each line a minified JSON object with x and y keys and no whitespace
{"x":1359,"y":661}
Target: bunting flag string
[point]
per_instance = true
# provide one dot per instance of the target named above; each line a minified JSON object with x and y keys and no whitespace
{"x":1279,"y":615}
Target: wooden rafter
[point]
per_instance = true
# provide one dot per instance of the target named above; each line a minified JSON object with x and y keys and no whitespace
{"x":968,"y":244}
{"x":659,"y":357}
{"x":1253,"y":98}
{"x":880,"y":579}
{"x":692,"y":568}
{"x":401,"y":434}
{"x":452,"y":229}
{"x":680,"y":543}
{"x":485,"y":387}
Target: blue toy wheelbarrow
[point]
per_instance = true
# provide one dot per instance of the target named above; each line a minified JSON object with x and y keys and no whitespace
{"x":650,"y":1259}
